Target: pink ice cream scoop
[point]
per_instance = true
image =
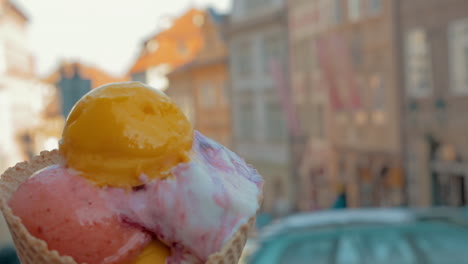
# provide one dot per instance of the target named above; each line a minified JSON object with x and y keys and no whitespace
{"x":62,"y":208}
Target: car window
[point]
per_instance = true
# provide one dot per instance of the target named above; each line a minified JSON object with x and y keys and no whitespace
{"x":387,"y":247}
{"x":312,"y":250}
{"x":348,"y":250}
{"x":442,"y":245}
{"x":269,"y":252}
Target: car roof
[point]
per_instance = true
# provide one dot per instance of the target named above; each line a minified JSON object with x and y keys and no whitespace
{"x":357,"y":216}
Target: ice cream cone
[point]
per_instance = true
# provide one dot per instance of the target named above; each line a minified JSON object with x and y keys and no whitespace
{"x":232,"y":251}
{"x":32,"y":250}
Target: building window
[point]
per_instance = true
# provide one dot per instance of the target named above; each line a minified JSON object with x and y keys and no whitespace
{"x":377,"y":92}
{"x":354,"y":9}
{"x":458,"y":40}
{"x":246,"y":126}
{"x":243,"y":60}
{"x":418,"y":64}
{"x":271,"y":52}
{"x":276,"y":124}
{"x":152,"y":46}
{"x":305,"y":68}
{"x":357,"y":50}
{"x":375,"y":6}
{"x":208,"y":95}
{"x":338,"y":11}
{"x":252,"y":5}
{"x":198,"y":20}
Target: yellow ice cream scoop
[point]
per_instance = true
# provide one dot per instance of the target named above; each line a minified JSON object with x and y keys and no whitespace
{"x":154,"y":253}
{"x":120,"y":133}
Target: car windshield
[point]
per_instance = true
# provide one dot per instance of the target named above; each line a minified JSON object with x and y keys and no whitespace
{"x":441,"y":243}
{"x":425,"y":243}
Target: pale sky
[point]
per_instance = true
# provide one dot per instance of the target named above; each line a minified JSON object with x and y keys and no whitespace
{"x":104,"y":33}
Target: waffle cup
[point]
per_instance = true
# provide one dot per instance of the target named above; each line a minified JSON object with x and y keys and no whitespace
{"x":32,"y":250}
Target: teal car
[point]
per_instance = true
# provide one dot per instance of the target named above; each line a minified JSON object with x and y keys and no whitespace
{"x":376,"y":236}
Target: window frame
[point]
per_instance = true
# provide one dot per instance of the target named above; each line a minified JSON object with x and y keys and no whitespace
{"x":410,"y":90}
{"x":373,"y":11}
{"x":458,"y":87}
{"x":208,"y":88}
{"x":355,"y":10}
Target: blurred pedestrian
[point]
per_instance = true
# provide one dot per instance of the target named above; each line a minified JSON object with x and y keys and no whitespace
{"x":341,"y":200}
{"x":8,"y":256}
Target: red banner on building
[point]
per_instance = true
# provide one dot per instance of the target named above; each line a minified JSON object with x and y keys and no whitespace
{"x":329,"y":73}
{"x":343,"y":57}
{"x":336,"y":63}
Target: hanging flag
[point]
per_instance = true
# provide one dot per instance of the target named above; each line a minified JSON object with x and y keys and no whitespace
{"x":354,"y":89}
{"x":343,"y":57}
{"x":326,"y":64}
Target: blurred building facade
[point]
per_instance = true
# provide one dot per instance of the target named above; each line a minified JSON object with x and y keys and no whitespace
{"x":169,"y":49}
{"x":435,"y":44}
{"x":23,"y":97}
{"x":345,"y":82}
{"x":199,"y":87}
{"x":258,"y":75}
{"x":16,"y":75}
